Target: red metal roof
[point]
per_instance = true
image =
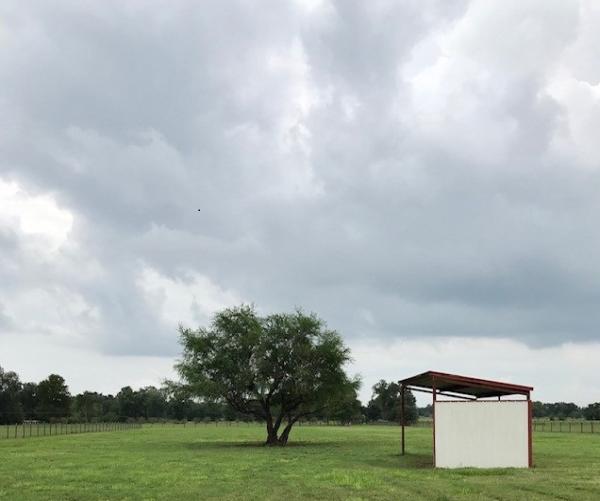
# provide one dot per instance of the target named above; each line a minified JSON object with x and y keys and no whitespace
{"x":465,"y":385}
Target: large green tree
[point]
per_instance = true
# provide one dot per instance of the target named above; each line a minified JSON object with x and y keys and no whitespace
{"x":279,"y":368}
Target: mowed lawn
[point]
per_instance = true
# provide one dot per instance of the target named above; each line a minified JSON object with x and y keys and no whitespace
{"x":228,"y":462}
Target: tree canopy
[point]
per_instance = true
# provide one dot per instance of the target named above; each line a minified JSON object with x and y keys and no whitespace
{"x":386,"y":401}
{"x":11,"y":409}
{"x":277,"y":368}
{"x":53,"y":397}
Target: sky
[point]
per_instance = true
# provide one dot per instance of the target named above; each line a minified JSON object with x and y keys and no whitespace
{"x":423,"y":175}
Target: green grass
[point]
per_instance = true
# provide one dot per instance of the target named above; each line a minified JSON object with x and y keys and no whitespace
{"x":205,"y":461}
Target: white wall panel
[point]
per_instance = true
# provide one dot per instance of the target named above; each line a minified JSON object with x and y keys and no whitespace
{"x":485,"y":434}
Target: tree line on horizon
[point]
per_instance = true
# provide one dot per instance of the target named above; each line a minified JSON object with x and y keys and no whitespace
{"x":50,"y":400}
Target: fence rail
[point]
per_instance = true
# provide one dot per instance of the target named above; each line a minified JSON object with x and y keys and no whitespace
{"x":547,"y":426}
{"x":27,"y":430}
{"x":567,"y":426}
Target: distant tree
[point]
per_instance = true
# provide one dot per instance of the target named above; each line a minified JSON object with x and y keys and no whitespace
{"x":153,"y":401}
{"x":130,"y":404}
{"x":215,"y":410}
{"x":426,"y":411}
{"x":54,"y":399}
{"x":386,"y":397}
{"x":11,"y":410}
{"x":565,"y":410}
{"x":373,"y":411}
{"x":180,"y":404}
{"x":348,"y":410}
{"x":592,"y":412}
{"x":539,"y":410}
{"x":29,"y":400}
{"x":87,"y":406}
{"x":557,"y":410}
{"x":110,"y":408}
{"x":278,"y":368}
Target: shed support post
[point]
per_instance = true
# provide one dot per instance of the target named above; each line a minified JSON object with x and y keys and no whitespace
{"x":433,"y":399}
{"x":402,"y":390}
{"x":529,"y":431}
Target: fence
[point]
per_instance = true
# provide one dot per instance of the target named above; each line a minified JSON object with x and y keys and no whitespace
{"x":547,"y":426}
{"x":33,"y":429}
{"x":567,"y":426}
{"x":423,"y":423}
{"x":224,"y":423}
{"x":26,"y":430}
{"x":543,"y":426}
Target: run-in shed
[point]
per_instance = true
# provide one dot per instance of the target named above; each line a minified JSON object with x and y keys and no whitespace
{"x":474,"y":423}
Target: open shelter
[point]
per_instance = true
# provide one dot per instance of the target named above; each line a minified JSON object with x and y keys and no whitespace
{"x":476,"y":422}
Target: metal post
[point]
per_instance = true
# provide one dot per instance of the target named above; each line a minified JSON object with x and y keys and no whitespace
{"x":402,"y":390}
{"x":529,"y":431}
{"x":433,"y":400}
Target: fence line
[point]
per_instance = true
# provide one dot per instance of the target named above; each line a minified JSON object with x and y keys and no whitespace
{"x":221,"y":423}
{"x":42,"y":429}
{"x":567,"y":426}
{"x":27,"y":430}
{"x":548,"y":426}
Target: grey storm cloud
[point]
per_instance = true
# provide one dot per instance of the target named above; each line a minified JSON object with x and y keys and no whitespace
{"x":404,"y":169}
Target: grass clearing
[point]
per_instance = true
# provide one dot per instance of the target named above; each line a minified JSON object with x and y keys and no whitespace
{"x":320,"y":462}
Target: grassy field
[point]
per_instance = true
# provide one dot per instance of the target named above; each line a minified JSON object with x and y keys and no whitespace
{"x":204,"y":462}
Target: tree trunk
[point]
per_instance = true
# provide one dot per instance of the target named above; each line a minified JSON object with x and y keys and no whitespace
{"x":282,"y":440}
{"x":271,"y":438}
{"x":285,"y":434}
{"x":272,"y":429}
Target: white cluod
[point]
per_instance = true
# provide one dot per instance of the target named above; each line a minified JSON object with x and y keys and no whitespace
{"x":36,"y":217}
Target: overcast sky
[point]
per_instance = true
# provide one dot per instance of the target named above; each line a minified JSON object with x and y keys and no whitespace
{"x":423,"y":175}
